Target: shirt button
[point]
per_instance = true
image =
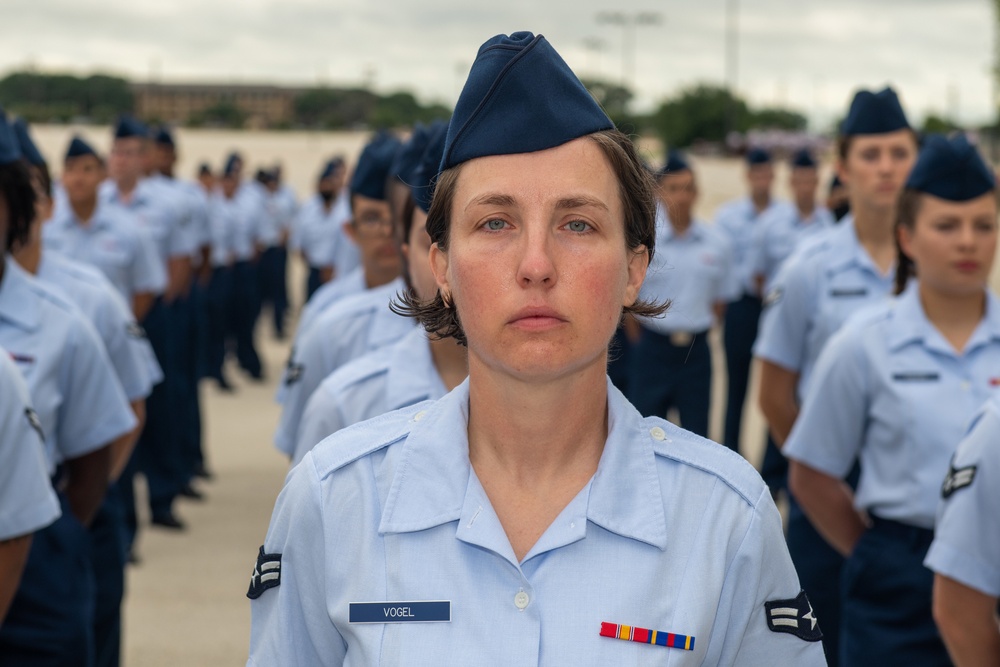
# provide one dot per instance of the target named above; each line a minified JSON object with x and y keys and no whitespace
{"x":420,"y":415}
{"x":521,"y":600}
{"x":658,"y":433}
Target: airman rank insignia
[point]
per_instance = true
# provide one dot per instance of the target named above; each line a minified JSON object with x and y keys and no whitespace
{"x":957,"y":478}
{"x":135,"y":330}
{"x":793,"y":616}
{"x":34,"y":422}
{"x":773,"y":296}
{"x":643,"y":636}
{"x":266,"y":575}
{"x":293,"y":374}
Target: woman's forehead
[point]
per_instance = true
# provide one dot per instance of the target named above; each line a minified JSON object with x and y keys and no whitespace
{"x":577,"y":170}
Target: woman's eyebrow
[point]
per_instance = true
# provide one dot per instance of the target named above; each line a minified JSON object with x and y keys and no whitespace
{"x":492,"y":199}
{"x":580,"y":202}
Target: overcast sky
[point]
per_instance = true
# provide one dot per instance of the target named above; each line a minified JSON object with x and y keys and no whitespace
{"x":807,"y":54}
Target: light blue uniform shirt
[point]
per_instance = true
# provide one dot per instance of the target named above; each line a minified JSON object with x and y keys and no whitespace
{"x":966,"y":544}
{"x":186,"y":205}
{"x":737,"y":220}
{"x":270,"y":215}
{"x":248,"y":216}
{"x":694,"y":272}
{"x":331,"y":292}
{"x":80,"y":404}
{"x":673,"y":533}
{"x":112,"y":242}
{"x":222,"y":214}
{"x":401,"y":375}
{"x":124,"y":340}
{"x":158,"y":208}
{"x":320,"y":235}
{"x":353,"y":327}
{"x":888,"y":388}
{"x":27,"y":501}
{"x":778,"y":233}
{"x":286,"y":205}
{"x":824,"y":282}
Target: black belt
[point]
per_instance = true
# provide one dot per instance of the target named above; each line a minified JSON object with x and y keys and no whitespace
{"x":903,"y":532}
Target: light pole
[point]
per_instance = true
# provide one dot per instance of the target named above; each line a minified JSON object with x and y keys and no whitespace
{"x":732,"y":60}
{"x":628,"y":23}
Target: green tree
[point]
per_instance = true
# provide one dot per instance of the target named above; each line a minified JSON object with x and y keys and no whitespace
{"x":939,"y":125}
{"x":778,"y":119}
{"x":62,"y":97}
{"x":699,"y":114}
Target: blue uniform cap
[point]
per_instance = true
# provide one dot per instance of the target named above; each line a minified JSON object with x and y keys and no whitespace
{"x":28,"y":148}
{"x":874,"y":113}
{"x":372,"y":170}
{"x":78,"y":147}
{"x":233,"y":163}
{"x":951,"y":169}
{"x":128,"y":127}
{"x":757,"y":156}
{"x":676,"y":162}
{"x":331,"y":167}
{"x":424,"y":175}
{"x":10,"y":149}
{"x":520,"y":97}
{"x":803,"y":159}
{"x":408,"y":156}
{"x":164,"y":137}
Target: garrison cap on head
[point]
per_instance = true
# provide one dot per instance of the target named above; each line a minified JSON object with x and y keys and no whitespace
{"x":408,"y":156}
{"x":803,"y":159}
{"x":233,"y":164}
{"x":331,"y":167}
{"x":676,"y":162}
{"x":78,"y":148}
{"x":757,"y":156}
{"x":874,"y":113}
{"x":951,"y":169}
{"x":163,"y":136}
{"x":423,"y":175}
{"x":520,"y":97}
{"x":10,"y":150}
{"x":204,"y":169}
{"x":372,"y":170}
{"x":128,"y":127}
{"x":28,"y":148}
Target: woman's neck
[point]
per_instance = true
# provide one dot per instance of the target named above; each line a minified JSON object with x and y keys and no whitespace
{"x":535,"y":434}
{"x":84,"y":209}
{"x":875,"y":229}
{"x":451,"y":361}
{"x":956,"y":316}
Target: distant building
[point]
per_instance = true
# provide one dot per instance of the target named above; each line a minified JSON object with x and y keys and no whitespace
{"x":180,"y":104}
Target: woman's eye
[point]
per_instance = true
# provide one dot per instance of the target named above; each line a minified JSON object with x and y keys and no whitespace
{"x":578,"y":226}
{"x":495,"y":225}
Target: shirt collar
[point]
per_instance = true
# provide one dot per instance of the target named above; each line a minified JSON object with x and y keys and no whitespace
{"x":411,"y":371}
{"x":431,"y":482}
{"x":848,"y":250}
{"x":17,"y":302}
{"x":910,"y":324}
{"x":387,"y":326}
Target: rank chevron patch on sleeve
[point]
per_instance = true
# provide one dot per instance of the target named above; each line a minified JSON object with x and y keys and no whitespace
{"x":794,"y":616}
{"x":267,"y":574}
{"x":957,"y":478}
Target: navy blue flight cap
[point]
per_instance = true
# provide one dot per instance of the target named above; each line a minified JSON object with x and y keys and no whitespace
{"x":128,"y":127}
{"x":520,"y":97}
{"x":408,"y":156}
{"x":951,"y":169}
{"x":757,"y":156}
{"x":676,"y":162}
{"x":164,"y":137}
{"x":233,"y":163}
{"x":874,"y":113}
{"x":331,"y":167}
{"x":803,"y":159}
{"x":10,"y":149}
{"x":424,"y":175}
{"x":372,"y":170}
{"x":78,"y":148}
{"x":28,"y":148}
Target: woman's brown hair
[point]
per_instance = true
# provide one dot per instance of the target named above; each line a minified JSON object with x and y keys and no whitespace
{"x":906,"y":216}
{"x":439,"y":316}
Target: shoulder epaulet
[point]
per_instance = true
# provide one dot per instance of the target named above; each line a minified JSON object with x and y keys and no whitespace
{"x":710,"y":457}
{"x":359,"y":440}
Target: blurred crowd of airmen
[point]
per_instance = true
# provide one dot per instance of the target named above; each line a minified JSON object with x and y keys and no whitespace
{"x":123,"y":286}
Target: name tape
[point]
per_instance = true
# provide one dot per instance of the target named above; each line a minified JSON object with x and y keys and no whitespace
{"x":433,"y":611}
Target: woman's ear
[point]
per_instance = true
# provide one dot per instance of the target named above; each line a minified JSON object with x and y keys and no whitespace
{"x":637,"y":264}
{"x":439,"y":267}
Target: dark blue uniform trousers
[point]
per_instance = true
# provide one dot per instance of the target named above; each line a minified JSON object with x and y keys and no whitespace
{"x":739,"y":334}
{"x":219,"y":304}
{"x":271,"y":288}
{"x":184,"y":397}
{"x":313,"y":281}
{"x":108,"y":554}
{"x":243,"y":315}
{"x":887,"y":591}
{"x":664,"y":375}
{"x":51,"y":620}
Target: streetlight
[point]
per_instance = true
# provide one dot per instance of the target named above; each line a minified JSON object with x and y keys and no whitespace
{"x":732,"y":60}
{"x":628,"y":23}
